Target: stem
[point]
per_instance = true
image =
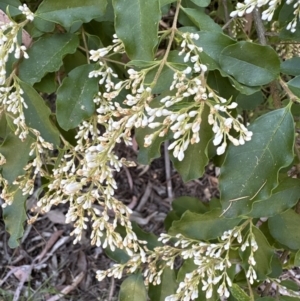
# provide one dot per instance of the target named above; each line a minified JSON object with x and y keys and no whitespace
{"x":85,"y":45}
{"x":289,"y":93}
{"x":173,"y":31}
{"x":259,"y":27}
{"x":250,"y":290}
{"x":227,"y":17}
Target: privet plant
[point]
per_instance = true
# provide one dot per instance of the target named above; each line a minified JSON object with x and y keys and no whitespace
{"x":218,"y":80}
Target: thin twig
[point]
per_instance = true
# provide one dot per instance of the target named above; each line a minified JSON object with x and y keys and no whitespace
{"x":227,"y":17}
{"x":168,"y":171}
{"x":227,"y":24}
{"x":289,"y":93}
{"x":165,"y":58}
{"x":259,"y":27}
{"x":85,"y":46}
{"x":144,"y":198}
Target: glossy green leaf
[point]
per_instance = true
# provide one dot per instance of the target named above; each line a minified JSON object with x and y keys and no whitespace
{"x":211,"y":224}
{"x":294,"y":85}
{"x":47,"y":84}
{"x":249,"y":102}
{"x":43,"y":25}
{"x":14,"y":217}
{"x":66,"y":13}
{"x":276,"y":266}
{"x":46,"y":56}
{"x":167,"y":287}
{"x":74,"y":101}
{"x":201,"y":3}
{"x":297,"y":259}
{"x":291,"y":66}
{"x":118,"y":255}
{"x":142,"y":64}
{"x":243,"y":60}
{"x":202,"y":20}
{"x":150,"y":238}
{"x":239,"y":293}
{"x":250,"y":171}
{"x":263,"y":255}
{"x":284,"y":196}
{"x":12,"y":6}
{"x":147,"y":154}
{"x":222,"y":84}
{"x":16,"y":153}
{"x":165,"y":2}
{"x":196,"y":157}
{"x":185,"y":203}
{"x":37,"y":115}
{"x":284,"y":228}
{"x":136,"y":24}
{"x":213,"y":44}
{"x":133,"y":289}
{"x":170,"y":218}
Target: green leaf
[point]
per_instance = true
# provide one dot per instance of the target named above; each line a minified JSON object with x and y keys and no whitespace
{"x":263,"y":255}
{"x":201,"y":3}
{"x":118,"y":255}
{"x":165,"y":2}
{"x":136,"y":24}
{"x":291,"y":66}
{"x":149,"y":237}
{"x":14,"y":217}
{"x":16,"y":153}
{"x":46,"y":56}
{"x":12,"y":6}
{"x":66,"y":13}
{"x":249,"y":102}
{"x":185,"y":203}
{"x":250,"y":171}
{"x":43,"y":25}
{"x":243,"y":60}
{"x":37,"y":115}
{"x":47,"y":84}
{"x":74,"y":101}
{"x":170,"y":218}
{"x":202,"y":20}
{"x":195,"y":157}
{"x":212,"y":225}
{"x":142,"y":64}
{"x":147,"y":154}
{"x":297,"y":259}
{"x":133,"y":289}
{"x":213,"y":44}
{"x":284,"y":228}
{"x":167,"y":287}
{"x":222,"y":84}
{"x":283,"y":197}
{"x":238,"y":293}
{"x":294,"y":85}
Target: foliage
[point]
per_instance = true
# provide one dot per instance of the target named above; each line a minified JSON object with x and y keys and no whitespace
{"x":214,"y":78}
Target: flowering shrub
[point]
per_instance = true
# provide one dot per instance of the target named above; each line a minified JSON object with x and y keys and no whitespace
{"x":217,"y":79}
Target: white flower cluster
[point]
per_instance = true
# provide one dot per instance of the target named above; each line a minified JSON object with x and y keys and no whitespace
{"x":9,"y":41}
{"x":85,"y":175}
{"x":26,"y":11}
{"x":12,"y":101}
{"x":212,"y":261}
{"x":248,"y":6}
{"x":185,"y":123}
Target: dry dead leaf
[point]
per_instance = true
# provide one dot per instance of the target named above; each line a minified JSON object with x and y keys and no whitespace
{"x":56,"y":217}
